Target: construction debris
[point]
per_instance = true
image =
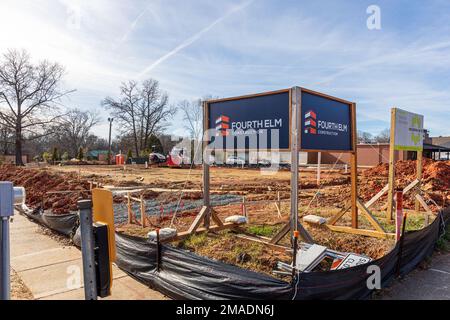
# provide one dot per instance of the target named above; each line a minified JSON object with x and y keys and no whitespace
{"x":310,"y":218}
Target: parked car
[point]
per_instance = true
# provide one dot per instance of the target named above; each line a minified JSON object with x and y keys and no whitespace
{"x":264,"y":163}
{"x":234,"y":161}
{"x":156,"y":158}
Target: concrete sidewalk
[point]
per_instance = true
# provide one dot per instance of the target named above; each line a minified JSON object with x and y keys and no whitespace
{"x":53,"y":271}
{"x":429,"y":284}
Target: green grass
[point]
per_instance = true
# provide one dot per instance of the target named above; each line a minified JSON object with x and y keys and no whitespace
{"x":263,"y":230}
{"x":413,"y":222}
{"x":196,"y":240}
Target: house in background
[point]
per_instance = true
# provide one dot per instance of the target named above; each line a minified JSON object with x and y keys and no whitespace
{"x":100,"y":155}
{"x":443,"y":147}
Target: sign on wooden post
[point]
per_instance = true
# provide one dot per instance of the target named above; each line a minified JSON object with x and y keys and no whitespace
{"x":406,"y":135}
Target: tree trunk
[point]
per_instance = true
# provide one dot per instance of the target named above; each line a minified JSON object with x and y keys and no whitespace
{"x":19,"y":144}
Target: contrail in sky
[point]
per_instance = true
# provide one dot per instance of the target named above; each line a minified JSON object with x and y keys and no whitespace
{"x":133,"y":24}
{"x":193,"y":38}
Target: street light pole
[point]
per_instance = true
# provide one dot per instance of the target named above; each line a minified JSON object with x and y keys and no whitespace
{"x":110,"y":120}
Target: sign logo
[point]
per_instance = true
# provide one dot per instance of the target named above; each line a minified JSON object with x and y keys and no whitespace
{"x":311,"y":122}
{"x":222,"y":125}
{"x":416,"y":124}
{"x":408,"y":131}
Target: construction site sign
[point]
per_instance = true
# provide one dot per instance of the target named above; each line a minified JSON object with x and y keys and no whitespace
{"x":408,"y":131}
{"x":326,"y":123}
{"x":254,"y":122}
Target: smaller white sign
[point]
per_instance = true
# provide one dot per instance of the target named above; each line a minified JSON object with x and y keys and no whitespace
{"x":353,"y":260}
{"x":408,"y":131}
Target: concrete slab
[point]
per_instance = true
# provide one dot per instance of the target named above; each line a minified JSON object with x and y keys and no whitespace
{"x":53,"y":279}
{"x":53,"y":271}
{"x":430,"y":284}
{"x":77,"y":294}
{"x":127,"y":288}
{"x":29,"y":245}
{"x":44,"y":258}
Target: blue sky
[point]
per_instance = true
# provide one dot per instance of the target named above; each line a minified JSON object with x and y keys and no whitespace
{"x":228,"y":48}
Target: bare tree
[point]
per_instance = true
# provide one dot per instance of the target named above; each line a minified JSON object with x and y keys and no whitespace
{"x":142,"y":110}
{"x":75,"y":130}
{"x":384,"y":136}
{"x":364,"y":137}
{"x":28,"y":95}
{"x":192,"y":117}
{"x":6,"y":139}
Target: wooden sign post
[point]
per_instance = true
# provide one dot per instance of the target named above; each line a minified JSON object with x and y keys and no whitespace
{"x":406,"y":135}
{"x":391,"y":176}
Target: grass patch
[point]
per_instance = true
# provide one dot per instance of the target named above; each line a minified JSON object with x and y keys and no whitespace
{"x":413,"y":222}
{"x":196,"y":240}
{"x":263,"y":230}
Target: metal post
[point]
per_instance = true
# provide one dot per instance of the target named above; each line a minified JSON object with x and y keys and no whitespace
{"x":6,"y":211}
{"x":295,"y":96}
{"x":87,"y":249}
{"x":5,"y":260}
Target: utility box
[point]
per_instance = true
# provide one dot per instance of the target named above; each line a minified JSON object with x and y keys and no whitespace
{"x":6,"y":199}
{"x":101,"y":256}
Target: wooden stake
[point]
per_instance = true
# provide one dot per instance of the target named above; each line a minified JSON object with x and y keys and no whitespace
{"x":143,"y":221}
{"x":130,"y":214}
{"x":278,"y":204}
{"x":244,"y":208}
{"x":279,"y":199}
{"x":419,"y":177}
{"x":391,"y":178}
{"x":354,"y":171}
{"x":319,"y":160}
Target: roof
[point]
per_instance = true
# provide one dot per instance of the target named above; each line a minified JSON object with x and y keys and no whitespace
{"x":441,"y":141}
{"x":435,"y":148}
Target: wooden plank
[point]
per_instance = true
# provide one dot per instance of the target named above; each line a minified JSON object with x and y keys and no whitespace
{"x":198,"y":219}
{"x":354,"y":169}
{"x":216,"y":218}
{"x":129,"y":210}
{"x":423,"y":203}
{"x":373,"y":221}
{"x":363,"y":232}
{"x":278,"y":209}
{"x":339,"y":215}
{"x":143,"y":220}
{"x":369,"y":203}
{"x":280,"y":235}
{"x":185,"y":234}
{"x":285,"y":230}
{"x":391,"y":177}
{"x":410,"y":186}
{"x":419,"y":178}
{"x":304,"y":234}
{"x":205,"y":171}
{"x":132,"y":198}
{"x":273,"y":246}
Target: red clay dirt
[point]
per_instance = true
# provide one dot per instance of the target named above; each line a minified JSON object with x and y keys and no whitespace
{"x":38,"y":184}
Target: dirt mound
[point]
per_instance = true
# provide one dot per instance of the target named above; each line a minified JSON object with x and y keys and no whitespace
{"x":435,"y":179}
{"x":54,"y":191}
